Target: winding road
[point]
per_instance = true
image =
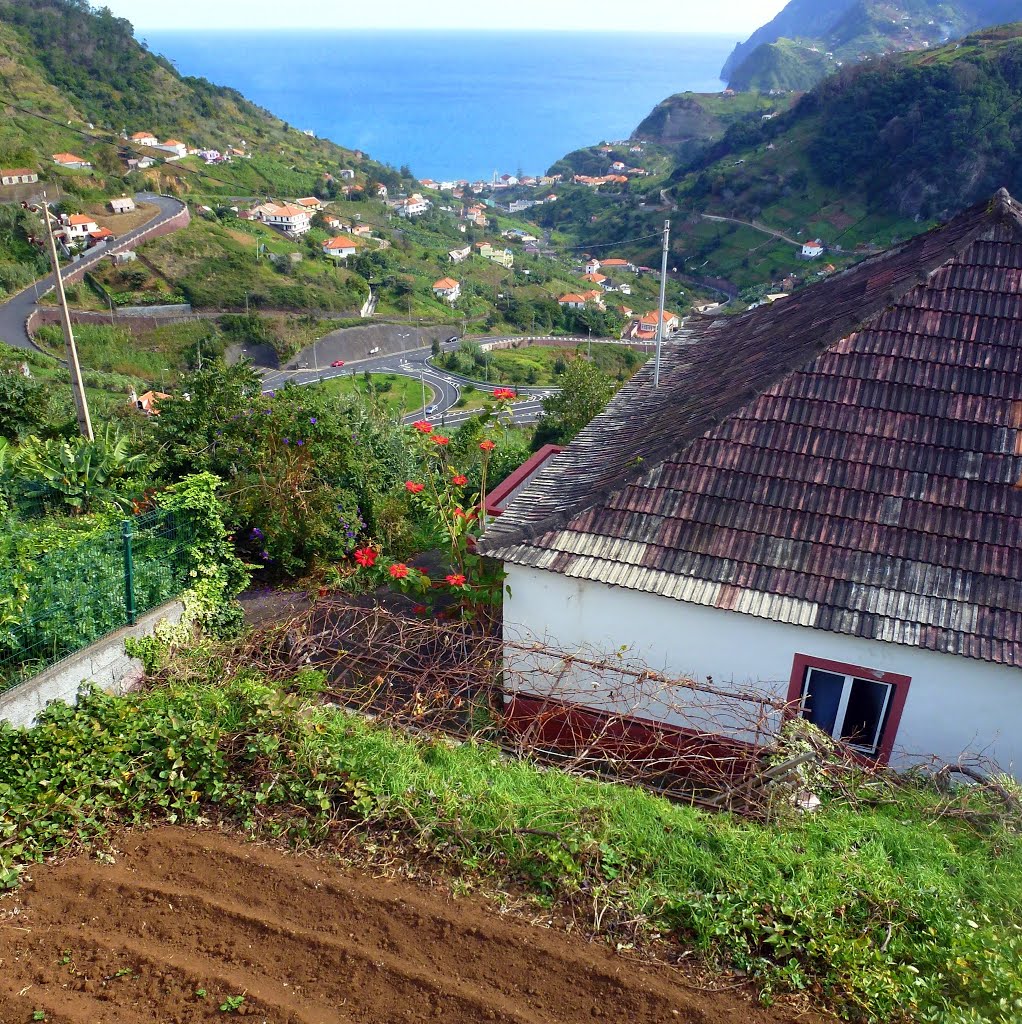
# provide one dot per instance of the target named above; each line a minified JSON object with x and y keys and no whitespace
{"x":16,"y":310}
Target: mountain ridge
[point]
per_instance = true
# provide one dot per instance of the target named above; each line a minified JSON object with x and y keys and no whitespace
{"x":809,"y":39}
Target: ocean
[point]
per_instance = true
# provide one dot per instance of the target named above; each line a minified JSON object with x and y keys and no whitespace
{"x":454,"y":104}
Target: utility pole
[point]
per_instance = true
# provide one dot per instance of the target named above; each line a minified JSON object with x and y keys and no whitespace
{"x":422,"y":381}
{"x":663,"y":289}
{"x":77,"y":387}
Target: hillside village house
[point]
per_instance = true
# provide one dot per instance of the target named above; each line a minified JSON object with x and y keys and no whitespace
{"x":505,"y":257}
{"x":460,"y":255}
{"x":362,"y":230}
{"x":820,"y":502}
{"x":413,"y":206}
{"x":77,"y":226}
{"x":341,"y":247}
{"x":145,"y":139}
{"x":447,"y":289}
{"x":810,"y":250}
{"x":122,"y":204}
{"x":71,"y":161}
{"x":18,"y":176}
{"x":645,"y":328}
{"x":291,"y":220}
{"x":592,"y":266}
{"x":310,"y":203}
{"x":173,"y":147}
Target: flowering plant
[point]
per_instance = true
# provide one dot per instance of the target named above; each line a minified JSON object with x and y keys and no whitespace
{"x":441,"y":493}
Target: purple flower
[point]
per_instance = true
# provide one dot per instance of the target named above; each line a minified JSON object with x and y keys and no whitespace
{"x":256,"y":532}
{"x":287,"y":440}
{"x":272,"y":394}
{"x":264,"y":555}
{"x":312,"y":420}
{"x":299,"y":442}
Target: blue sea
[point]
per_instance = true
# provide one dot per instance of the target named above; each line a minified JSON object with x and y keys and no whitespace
{"x":454,"y":104}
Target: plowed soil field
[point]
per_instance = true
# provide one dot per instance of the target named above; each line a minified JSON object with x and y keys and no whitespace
{"x":183,"y":920}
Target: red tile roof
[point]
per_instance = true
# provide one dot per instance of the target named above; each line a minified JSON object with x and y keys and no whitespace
{"x":849,"y":459}
{"x":445,"y":284}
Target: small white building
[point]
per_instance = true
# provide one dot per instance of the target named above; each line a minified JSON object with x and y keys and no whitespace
{"x":78,"y":226}
{"x":818,"y":507}
{"x":310,"y":203}
{"x":572,"y":300}
{"x":460,"y":255}
{"x":18,"y":176}
{"x":447,"y":289}
{"x":71,"y":161}
{"x":347,"y":173}
{"x":810,"y":250}
{"x":173,"y":147}
{"x":122,"y":204}
{"x":145,"y":139}
{"x":341,"y":247}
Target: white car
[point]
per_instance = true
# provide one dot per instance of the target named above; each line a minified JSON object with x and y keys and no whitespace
{"x":430,"y":410}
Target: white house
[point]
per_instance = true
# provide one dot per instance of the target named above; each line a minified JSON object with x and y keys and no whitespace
{"x":18,"y":176}
{"x":292,"y":220}
{"x":820,"y":504}
{"x":460,"y":255}
{"x":413,"y":206}
{"x":145,"y":139}
{"x":347,"y":173}
{"x":593,"y":266}
{"x":78,"y":226}
{"x":810,"y":250}
{"x":173,"y":147}
{"x":310,"y":203}
{"x":447,"y":289}
{"x":572,"y":301}
{"x":121,"y":204}
{"x":341,"y":247}
{"x":71,"y":161}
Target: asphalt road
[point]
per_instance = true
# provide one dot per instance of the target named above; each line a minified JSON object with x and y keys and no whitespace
{"x":414,"y":363}
{"x":15,"y":311}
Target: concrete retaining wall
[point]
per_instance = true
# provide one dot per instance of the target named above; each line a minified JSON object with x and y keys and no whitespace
{"x":104,"y":663}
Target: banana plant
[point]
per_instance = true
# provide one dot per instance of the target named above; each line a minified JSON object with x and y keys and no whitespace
{"x":77,"y":473}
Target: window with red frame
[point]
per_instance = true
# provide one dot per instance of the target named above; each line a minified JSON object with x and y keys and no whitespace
{"x":860,"y":706}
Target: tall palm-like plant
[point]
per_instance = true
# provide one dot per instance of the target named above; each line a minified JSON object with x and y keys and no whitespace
{"x":78,"y":474}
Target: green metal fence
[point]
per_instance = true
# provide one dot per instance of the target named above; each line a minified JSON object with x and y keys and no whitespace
{"x":85,"y":587}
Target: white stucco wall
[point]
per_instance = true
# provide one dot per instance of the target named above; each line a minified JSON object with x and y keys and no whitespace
{"x":954,"y":704}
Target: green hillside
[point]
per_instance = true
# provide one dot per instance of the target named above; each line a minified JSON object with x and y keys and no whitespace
{"x":810,"y":39}
{"x":871,"y":155}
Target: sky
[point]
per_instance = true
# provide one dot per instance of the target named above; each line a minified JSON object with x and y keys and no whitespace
{"x":736,"y":17}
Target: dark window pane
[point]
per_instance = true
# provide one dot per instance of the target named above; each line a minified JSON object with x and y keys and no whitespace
{"x":823,"y":696}
{"x":864,"y":718}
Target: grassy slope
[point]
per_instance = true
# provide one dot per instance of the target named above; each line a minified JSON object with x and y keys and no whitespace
{"x":887,"y":912}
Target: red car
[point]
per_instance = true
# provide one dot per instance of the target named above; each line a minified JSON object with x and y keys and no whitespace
{"x":337,"y":362}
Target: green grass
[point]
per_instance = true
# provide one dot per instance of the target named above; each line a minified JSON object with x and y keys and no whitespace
{"x":887,"y":912}
{"x":542,"y":365}
{"x":398,"y":393}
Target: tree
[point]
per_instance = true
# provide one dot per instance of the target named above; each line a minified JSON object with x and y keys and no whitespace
{"x":24,"y":404}
{"x":585,"y":390}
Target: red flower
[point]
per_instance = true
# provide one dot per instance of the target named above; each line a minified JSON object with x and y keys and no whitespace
{"x":366,"y":557}
{"x":413,"y":487}
{"x":398,"y":571}
{"x":423,"y":427}
{"x":455,"y":579}
{"x":487,"y":445}
{"x":459,"y":480}
{"x":503,"y":394}
{"x":459,"y":513}
{"x":440,"y":439}
{"x":419,"y":609}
